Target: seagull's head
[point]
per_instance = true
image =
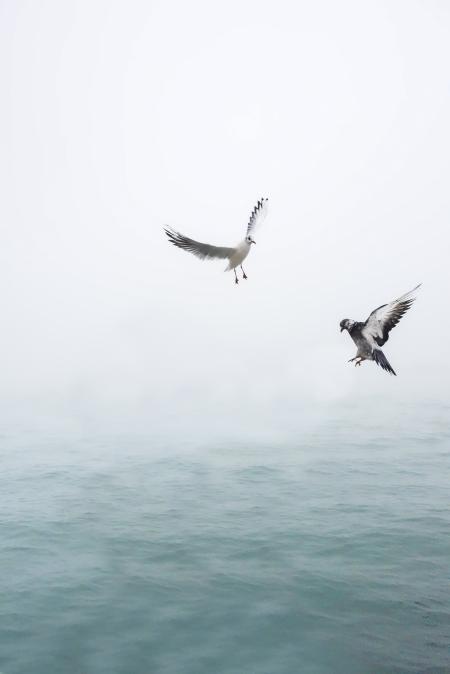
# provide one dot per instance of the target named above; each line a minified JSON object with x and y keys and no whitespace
{"x":250,"y":240}
{"x":345,"y":324}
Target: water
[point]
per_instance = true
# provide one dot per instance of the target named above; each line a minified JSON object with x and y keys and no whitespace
{"x":326,"y":552}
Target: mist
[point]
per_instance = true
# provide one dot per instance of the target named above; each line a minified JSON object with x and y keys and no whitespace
{"x":117,"y":119}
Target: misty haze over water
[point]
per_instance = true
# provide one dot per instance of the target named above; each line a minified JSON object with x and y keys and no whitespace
{"x":194,"y":479}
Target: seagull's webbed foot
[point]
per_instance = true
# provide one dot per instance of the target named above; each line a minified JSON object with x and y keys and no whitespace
{"x":236,"y":280}
{"x":244,"y":275}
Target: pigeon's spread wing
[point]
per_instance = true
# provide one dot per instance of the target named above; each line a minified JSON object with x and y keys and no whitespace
{"x":258,"y":215}
{"x":202,"y":250}
{"x":382,"y":320}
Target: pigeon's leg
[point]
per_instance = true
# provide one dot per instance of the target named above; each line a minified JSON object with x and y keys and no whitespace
{"x":244,"y":275}
{"x":236,"y":280}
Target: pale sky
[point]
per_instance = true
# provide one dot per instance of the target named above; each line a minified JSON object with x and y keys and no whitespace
{"x":120,"y":117}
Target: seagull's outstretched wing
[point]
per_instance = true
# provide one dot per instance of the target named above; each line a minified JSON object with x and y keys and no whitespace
{"x":382,"y":320}
{"x":202,"y":250}
{"x":258,"y":215}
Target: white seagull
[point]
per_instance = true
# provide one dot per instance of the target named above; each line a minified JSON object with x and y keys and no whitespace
{"x":235,"y":255}
{"x":372,"y":334}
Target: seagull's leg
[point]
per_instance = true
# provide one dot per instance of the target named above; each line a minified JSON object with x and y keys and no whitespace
{"x":244,"y":275}
{"x":235,"y":276}
{"x":359,"y":361}
{"x":352,"y":359}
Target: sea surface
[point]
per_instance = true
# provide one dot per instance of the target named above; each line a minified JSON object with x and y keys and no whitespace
{"x":325,"y":551}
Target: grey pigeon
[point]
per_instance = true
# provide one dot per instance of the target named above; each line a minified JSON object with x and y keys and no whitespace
{"x":236,"y":255}
{"x":372,"y":334}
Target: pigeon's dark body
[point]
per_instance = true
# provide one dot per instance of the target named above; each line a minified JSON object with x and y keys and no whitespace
{"x":355,"y":332}
{"x":374,"y":333}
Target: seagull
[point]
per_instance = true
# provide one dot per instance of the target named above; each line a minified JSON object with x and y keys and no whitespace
{"x":375,"y":331}
{"x":235,"y":255}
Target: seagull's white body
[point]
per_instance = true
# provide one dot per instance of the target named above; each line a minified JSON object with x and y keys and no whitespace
{"x":236,"y":255}
{"x":240,"y":253}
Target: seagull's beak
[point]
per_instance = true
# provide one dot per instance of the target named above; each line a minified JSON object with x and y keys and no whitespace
{"x":342,"y":329}
{"x":253,"y":241}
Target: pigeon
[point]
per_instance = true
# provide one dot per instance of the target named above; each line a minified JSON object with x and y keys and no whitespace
{"x":372,"y":334}
{"x":235,"y":255}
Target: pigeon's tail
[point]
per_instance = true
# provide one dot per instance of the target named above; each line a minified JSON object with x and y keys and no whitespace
{"x":382,"y":361}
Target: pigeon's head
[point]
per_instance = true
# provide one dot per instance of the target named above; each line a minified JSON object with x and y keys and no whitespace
{"x":345,"y":324}
{"x":250,"y":240}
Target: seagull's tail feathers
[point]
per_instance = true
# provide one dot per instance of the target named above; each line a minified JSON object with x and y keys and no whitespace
{"x":382,"y":361}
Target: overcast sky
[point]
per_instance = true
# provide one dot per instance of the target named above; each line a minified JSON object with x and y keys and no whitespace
{"x":119,"y":117}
